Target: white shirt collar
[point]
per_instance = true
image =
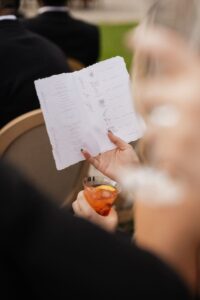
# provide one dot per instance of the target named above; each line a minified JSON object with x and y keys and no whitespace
{"x":8,"y":17}
{"x":45,"y":9}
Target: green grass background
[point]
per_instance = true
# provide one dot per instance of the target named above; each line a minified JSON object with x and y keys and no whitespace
{"x":112,"y":41}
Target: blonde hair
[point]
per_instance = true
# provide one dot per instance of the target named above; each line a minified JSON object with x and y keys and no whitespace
{"x":182,"y":16}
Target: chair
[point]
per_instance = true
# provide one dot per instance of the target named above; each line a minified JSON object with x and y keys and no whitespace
{"x":74,"y":64}
{"x":24,"y":142}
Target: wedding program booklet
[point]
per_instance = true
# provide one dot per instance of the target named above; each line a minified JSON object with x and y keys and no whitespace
{"x":80,"y":107}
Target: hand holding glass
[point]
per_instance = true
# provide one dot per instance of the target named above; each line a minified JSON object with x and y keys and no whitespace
{"x":101,"y":193}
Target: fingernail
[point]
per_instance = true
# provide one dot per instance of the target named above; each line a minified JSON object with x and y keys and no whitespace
{"x":81,"y":150}
{"x":109,"y":131}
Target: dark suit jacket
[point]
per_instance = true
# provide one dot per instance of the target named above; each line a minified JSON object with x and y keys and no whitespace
{"x":46,"y":253}
{"x":76,"y":38}
{"x":24,"y":57}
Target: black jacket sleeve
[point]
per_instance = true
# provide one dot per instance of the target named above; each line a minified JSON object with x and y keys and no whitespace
{"x":47,"y":253}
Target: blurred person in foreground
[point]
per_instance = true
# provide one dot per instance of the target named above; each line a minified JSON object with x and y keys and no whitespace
{"x":47,"y":252}
{"x":78,"y":39}
{"x":24,"y":57}
{"x":167,"y":76}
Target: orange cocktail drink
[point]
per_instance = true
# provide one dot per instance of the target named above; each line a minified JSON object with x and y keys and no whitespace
{"x":101,"y":193}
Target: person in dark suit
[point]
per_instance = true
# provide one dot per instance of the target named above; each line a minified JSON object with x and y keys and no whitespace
{"x":47,"y":253}
{"x":24,"y":57}
{"x":78,"y":40}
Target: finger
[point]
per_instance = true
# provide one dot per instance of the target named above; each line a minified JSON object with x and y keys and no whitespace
{"x":86,"y":154}
{"x":159,"y":43}
{"x":83,"y":204}
{"x":92,"y":160}
{"x":113,"y":214}
{"x":122,"y":145}
{"x":80,"y":210}
{"x":110,"y":222}
{"x":80,"y":195}
{"x":76,"y":208}
{"x":86,"y":209}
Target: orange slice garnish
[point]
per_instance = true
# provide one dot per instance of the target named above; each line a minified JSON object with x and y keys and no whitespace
{"x":106,"y":188}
